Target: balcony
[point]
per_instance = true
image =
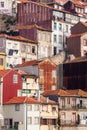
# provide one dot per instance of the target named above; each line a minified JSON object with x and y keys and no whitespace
{"x":68,"y":107}
{"x":68,"y":123}
{"x":76,"y":107}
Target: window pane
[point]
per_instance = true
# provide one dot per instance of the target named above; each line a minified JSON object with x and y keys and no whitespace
{"x":55,"y":26}
{"x":15,"y":78}
{"x":29,"y":120}
{"x":55,"y":38}
{"x":36,"y":120}
{"x":17,"y":107}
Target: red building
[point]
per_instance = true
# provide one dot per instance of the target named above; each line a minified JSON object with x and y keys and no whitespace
{"x":45,"y":70}
{"x":47,"y":75}
{"x":10,"y":82}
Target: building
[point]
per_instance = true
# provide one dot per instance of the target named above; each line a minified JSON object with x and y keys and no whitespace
{"x":30,"y":86}
{"x":10,"y":82}
{"x":9,"y":7}
{"x":52,"y":18}
{"x":17,"y":49}
{"x":45,"y":72}
{"x":74,"y":74}
{"x":41,"y":36}
{"x":24,"y":113}
{"x":76,"y":42}
{"x":28,"y":113}
{"x":47,"y":75}
{"x":2,"y":60}
{"x":72,"y":108}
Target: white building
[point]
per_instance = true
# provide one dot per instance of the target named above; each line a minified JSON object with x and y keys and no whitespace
{"x":17,"y":49}
{"x":22,"y":113}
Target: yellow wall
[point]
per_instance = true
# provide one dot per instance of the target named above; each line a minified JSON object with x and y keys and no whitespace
{"x":3,"y":56}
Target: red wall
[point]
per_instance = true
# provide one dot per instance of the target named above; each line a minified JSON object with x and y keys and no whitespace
{"x":10,"y":88}
{"x":48,"y":67}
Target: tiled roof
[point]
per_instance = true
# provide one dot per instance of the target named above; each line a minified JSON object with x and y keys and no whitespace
{"x":77,"y":92}
{"x":60,"y":1}
{"x":21,"y":100}
{"x":45,"y":100}
{"x":32,"y":26}
{"x":79,"y":3}
{"x":4,"y":72}
{"x":84,"y":23}
{"x":22,"y":1}
{"x":58,"y":92}
{"x":28,"y":63}
{"x":19,"y":38}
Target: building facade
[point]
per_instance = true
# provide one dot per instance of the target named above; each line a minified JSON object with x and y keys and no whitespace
{"x":17,"y":49}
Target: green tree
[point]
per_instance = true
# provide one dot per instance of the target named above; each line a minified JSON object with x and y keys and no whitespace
{"x":9,"y":21}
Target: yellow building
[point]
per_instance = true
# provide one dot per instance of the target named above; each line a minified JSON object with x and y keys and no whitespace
{"x":2,"y":60}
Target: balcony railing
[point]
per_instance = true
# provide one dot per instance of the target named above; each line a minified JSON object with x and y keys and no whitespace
{"x":68,"y":123}
{"x":73,"y":107}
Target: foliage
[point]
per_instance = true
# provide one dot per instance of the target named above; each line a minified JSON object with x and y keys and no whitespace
{"x":9,"y":21}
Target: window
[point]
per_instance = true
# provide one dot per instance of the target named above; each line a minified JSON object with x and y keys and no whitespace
{"x":48,"y":37}
{"x":63,"y":102}
{"x":1,"y":61}
{"x":17,"y":107}
{"x":55,"y":25}
{"x":85,"y":42}
{"x":45,"y":108}
{"x":41,"y":72}
{"x":60,"y":39}
{"x":55,"y":38}
{"x":36,"y":107}
{"x":44,"y":121}
{"x":53,"y":73}
{"x":28,"y":49}
{"x":2,"y":4}
{"x":60,"y":26}
{"x":23,"y":48}
{"x":33,"y":49}
{"x":15,"y":78}
{"x":29,"y":120}
{"x":68,"y":100}
{"x":44,"y":36}
{"x":66,"y":28}
{"x":55,"y":50}
{"x":73,"y":102}
{"x":36,"y":121}
{"x":29,"y":107}
{"x":54,"y":110}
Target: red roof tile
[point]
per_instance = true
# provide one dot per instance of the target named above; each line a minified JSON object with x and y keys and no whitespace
{"x":84,"y":23}
{"x":32,"y":26}
{"x":22,"y":100}
{"x":77,"y":92}
{"x":45,"y":100}
{"x":19,"y":38}
{"x":22,"y":1}
{"x":28,"y":63}
{"x":59,"y":92}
